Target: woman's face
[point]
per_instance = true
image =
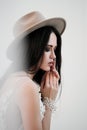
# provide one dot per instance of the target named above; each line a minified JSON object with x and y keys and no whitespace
{"x":49,"y":56}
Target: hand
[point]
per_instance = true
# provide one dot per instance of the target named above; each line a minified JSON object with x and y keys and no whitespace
{"x":49,"y":84}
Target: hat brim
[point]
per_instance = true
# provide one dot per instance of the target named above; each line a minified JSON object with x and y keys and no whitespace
{"x":58,"y":23}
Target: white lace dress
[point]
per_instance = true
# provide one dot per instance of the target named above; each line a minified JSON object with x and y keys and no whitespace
{"x":10,"y":116}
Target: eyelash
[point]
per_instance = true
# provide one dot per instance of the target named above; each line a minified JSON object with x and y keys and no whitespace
{"x":47,"y":49}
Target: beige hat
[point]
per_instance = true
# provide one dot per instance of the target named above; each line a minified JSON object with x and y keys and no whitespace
{"x":32,"y":21}
{"x":35,"y":20}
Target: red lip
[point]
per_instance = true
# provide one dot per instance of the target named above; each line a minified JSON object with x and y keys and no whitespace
{"x":51,"y":63}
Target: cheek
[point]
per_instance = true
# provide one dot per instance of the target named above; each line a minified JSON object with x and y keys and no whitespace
{"x":44,"y":63}
{"x":45,"y":57}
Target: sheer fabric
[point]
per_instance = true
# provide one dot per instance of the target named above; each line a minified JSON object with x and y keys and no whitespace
{"x":10,"y":116}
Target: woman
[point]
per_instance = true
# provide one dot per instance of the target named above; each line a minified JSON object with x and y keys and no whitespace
{"x":27,"y":97}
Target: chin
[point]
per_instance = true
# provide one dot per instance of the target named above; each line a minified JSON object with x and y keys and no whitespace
{"x":46,"y":69}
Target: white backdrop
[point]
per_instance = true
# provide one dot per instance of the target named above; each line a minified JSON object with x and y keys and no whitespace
{"x":72,"y":108}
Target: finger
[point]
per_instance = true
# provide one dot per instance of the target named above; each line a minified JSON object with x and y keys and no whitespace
{"x":54,"y":65}
{"x":54,"y":69}
{"x":58,"y":77}
{"x":57,"y":83}
{"x":47,"y":81}
{"x":56,"y":73}
{"x":54,"y":81}
{"x":51,"y":79}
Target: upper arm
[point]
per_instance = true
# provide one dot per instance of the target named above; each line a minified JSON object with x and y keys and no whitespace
{"x":28,"y":102}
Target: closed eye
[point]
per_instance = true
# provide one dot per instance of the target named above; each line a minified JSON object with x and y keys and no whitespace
{"x":47,"y":49}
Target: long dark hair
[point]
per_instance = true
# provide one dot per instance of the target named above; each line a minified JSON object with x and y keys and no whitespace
{"x":31,"y":49}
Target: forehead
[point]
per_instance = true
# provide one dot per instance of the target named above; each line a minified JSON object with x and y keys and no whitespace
{"x":52,"y":39}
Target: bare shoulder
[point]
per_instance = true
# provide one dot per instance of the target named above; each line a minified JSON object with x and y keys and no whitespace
{"x":22,"y":81}
{"x":28,"y":86}
{"x":27,"y":90}
{"x":27,"y":99}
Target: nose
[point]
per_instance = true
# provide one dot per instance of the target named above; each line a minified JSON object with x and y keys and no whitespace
{"x":53,"y":56}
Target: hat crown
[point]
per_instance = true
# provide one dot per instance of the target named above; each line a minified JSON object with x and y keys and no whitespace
{"x":27,"y":21}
